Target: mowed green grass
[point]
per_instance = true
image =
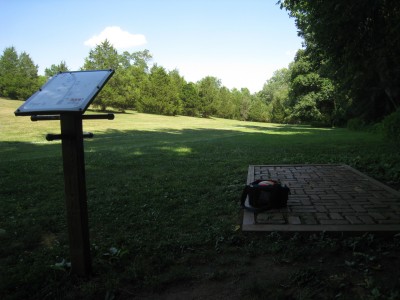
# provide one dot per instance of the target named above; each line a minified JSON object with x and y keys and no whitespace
{"x":163,"y":197}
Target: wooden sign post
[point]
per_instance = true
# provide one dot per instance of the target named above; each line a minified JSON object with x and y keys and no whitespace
{"x":65,"y":97}
{"x":75,"y":193}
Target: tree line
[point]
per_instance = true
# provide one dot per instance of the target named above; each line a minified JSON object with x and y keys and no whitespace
{"x":137,"y":85}
{"x":349,"y":68}
{"x":152,"y":89}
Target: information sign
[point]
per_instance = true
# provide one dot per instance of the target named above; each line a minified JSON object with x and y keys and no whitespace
{"x":66,"y":97}
{"x":66,"y":92}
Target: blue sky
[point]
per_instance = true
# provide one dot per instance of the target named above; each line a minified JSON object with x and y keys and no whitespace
{"x":241,"y":42}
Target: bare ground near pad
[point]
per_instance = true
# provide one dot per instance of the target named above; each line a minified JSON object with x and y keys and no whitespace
{"x":326,"y":198}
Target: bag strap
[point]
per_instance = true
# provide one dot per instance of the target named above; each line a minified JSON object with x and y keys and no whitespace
{"x":244,"y":195}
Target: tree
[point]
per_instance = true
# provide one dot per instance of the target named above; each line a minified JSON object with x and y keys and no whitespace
{"x":8,"y":73}
{"x":127,"y":86}
{"x":134,"y":80}
{"x":134,"y":71}
{"x":105,"y":56}
{"x":275,"y":94}
{"x":208,"y":91}
{"x":160,"y":96}
{"x":225,"y":107}
{"x":277,"y":84}
{"x":258,"y":110}
{"x":18,"y":75}
{"x":177,"y":82}
{"x":358,"y":42}
{"x":191,"y":100}
{"x":27,"y":76}
{"x":138,"y":59}
{"x":311,"y":96}
{"x":245,"y":103}
{"x":55,"y":69}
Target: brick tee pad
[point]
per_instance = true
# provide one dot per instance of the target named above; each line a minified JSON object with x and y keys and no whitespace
{"x":326,"y":198}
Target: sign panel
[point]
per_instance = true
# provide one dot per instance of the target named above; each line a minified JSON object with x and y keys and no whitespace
{"x":66,"y":92}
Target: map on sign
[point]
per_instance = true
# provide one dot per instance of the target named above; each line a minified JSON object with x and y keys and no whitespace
{"x":66,"y":92}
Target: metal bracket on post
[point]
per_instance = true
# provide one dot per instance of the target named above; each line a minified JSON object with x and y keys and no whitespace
{"x":53,"y":137}
{"x":35,"y":118}
{"x":98,"y":117}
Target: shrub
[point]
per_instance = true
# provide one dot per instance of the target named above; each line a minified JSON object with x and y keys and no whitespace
{"x":391,"y":126}
{"x":355,"y":124}
{"x":376,"y":128}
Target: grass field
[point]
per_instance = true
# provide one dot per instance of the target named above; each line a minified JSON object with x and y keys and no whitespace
{"x":163,"y":200}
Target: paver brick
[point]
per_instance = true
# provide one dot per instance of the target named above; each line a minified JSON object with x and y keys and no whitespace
{"x":366,"y":219}
{"x":322,"y":216}
{"x":335,"y":216}
{"x":303,"y":208}
{"x":353,"y":219}
{"x":305,"y":201}
{"x":309,"y":220}
{"x":321,"y":208}
{"x":294,"y":220}
{"x":377,"y":215}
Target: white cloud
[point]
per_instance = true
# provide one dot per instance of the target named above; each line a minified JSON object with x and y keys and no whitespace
{"x":119,"y":38}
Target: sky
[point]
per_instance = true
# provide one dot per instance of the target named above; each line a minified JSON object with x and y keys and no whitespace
{"x":240,"y":42}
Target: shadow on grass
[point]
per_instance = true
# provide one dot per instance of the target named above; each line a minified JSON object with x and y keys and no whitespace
{"x":114,"y":138}
{"x":290,"y":129}
{"x":165,"y":198}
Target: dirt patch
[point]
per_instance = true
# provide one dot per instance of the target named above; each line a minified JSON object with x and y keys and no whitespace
{"x":304,"y":268}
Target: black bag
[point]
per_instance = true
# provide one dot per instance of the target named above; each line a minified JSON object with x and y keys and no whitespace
{"x":264,"y":195}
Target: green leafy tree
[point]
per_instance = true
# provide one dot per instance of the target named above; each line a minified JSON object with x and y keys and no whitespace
{"x":225,"y":107}
{"x":276,"y":85}
{"x":134,"y":80}
{"x":358,"y":42}
{"x":134,"y":69}
{"x":278,"y":112}
{"x":177,"y":82}
{"x":55,"y":69}
{"x":128,"y":85}
{"x":27,"y":76}
{"x":237,"y":98}
{"x":209,"y":92}
{"x":311,"y":96}
{"x":191,"y":100}
{"x":306,"y":110}
{"x":18,"y":75}
{"x":275,"y":94}
{"x":258,"y":110}
{"x":105,"y":56}
{"x":9,"y":73}
{"x":245,"y":103}
{"x":141,"y":59}
{"x":160,"y":96}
